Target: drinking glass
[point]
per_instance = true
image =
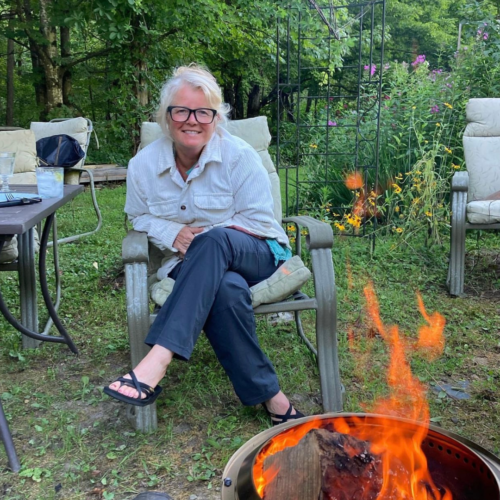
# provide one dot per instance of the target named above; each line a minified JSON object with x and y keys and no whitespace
{"x":7,"y":160}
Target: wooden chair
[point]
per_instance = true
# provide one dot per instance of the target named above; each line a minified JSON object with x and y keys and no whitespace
{"x":475,"y":194}
{"x":142,"y":258}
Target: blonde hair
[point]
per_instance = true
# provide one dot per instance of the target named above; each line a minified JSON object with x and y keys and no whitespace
{"x":197,"y":78}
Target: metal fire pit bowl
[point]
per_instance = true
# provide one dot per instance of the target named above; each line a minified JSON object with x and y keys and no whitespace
{"x":469,"y":471}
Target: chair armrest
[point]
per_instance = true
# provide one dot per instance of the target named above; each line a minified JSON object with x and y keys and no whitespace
{"x":135,"y":247}
{"x":320,"y":233}
{"x":460,"y":181}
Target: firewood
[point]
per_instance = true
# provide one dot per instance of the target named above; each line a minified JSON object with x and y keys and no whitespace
{"x":324,"y":465}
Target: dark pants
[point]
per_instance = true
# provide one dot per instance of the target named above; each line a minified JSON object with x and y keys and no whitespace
{"x":211,"y":292}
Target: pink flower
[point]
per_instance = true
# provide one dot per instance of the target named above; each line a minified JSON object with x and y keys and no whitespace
{"x":485,"y":36}
{"x":371,"y":68}
{"x":419,"y":60}
{"x":332,"y":124}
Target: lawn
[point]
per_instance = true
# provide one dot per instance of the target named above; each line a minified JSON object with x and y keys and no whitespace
{"x":75,"y":443}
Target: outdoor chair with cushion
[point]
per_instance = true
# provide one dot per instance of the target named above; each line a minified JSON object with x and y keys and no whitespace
{"x":276,"y":294}
{"x":475,"y":193}
{"x":81,"y":129}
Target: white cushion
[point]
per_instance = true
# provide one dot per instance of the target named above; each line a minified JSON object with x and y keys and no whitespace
{"x":255,"y":131}
{"x":161,"y":290}
{"x":483,"y":117}
{"x":21,"y":142}
{"x":9,"y":251}
{"x":149,"y":133}
{"x":483,"y":212}
{"x":482,"y":147}
{"x":75,"y":127}
{"x":287,"y":279}
{"x":482,"y":157}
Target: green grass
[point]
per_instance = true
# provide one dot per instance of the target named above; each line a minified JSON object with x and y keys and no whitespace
{"x":76,"y":443}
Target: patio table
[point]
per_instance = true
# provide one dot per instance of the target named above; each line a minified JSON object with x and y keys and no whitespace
{"x":21,"y":220}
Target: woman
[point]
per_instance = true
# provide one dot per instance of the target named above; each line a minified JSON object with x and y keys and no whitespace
{"x":204,"y":198}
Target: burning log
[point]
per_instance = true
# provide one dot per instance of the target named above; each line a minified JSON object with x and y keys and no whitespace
{"x":324,"y":465}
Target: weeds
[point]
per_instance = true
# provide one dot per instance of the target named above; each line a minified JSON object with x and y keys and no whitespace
{"x":74,"y":442}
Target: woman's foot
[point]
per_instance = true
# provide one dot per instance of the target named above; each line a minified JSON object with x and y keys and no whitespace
{"x":149,"y":371}
{"x":281,"y":410}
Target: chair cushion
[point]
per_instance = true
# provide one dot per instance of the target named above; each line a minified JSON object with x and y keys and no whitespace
{"x":21,"y":142}
{"x":483,"y":212}
{"x":287,"y":279}
{"x":483,"y":117}
{"x":9,"y":251}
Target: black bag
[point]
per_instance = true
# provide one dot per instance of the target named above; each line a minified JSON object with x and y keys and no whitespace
{"x":59,"y":151}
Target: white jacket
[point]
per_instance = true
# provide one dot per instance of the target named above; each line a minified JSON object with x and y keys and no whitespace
{"x":229,"y":187}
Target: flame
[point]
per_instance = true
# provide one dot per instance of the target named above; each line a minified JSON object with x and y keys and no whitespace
{"x":354,"y":181}
{"x":404,"y":464}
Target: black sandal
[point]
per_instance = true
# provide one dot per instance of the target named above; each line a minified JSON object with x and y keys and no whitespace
{"x":281,"y":419}
{"x":151,"y":393}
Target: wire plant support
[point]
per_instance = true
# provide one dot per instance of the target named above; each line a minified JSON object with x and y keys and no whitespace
{"x":329,"y":68}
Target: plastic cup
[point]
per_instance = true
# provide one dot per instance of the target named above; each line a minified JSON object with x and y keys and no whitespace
{"x":50,"y":182}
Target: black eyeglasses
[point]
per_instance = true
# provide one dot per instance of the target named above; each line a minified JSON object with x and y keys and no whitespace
{"x":182,"y":114}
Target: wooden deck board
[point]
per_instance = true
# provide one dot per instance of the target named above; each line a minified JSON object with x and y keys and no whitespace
{"x":104,"y":173}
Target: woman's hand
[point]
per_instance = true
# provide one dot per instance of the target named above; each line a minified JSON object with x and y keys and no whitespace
{"x":185,"y":237}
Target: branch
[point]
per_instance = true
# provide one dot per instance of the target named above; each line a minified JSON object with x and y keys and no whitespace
{"x":98,"y":53}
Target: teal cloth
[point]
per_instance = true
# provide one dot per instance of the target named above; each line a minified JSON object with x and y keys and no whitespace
{"x":280,"y":252}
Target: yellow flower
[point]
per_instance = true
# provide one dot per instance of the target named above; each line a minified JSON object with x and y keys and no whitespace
{"x":290,"y":227}
{"x":448,"y":150}
{"x":449,"y":106}
{"x":340,"y":227}
{"x":397,"y":189}
{"x":292,"y":240}
{"x":438,"y":124}
{"x":456,"y":167}
{"x":396,"y":209}
{"x":304,"y":232}
{"x":399,"y":230}
{"x":353,"y":220}
{"x":314,"y":146}
{"x":414,"y":107}
{"x":428,"y":213}
{"x":417,"y":172}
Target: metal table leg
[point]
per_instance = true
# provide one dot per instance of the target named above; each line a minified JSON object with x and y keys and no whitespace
{"x":8,"y":443}
{"x":64,"y":337}
{"x":27,"y":285}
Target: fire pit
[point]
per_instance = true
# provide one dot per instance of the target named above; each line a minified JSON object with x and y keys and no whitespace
{"x":459,"y":468}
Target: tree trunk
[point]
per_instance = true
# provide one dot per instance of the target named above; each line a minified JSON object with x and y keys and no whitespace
{"x":9,"y":114}
{"x":253,"y":105}
{"x":238,"y":100}
{"x":66,"y":72}
{"x":229,"y":99}
{"x":48,"y":57}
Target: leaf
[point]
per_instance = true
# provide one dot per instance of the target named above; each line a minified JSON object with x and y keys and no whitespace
{"x":214,"y":443}
{"x":111,"y":455}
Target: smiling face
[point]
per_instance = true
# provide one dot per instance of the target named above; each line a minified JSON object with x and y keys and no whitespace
{"x":190,"y":137}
